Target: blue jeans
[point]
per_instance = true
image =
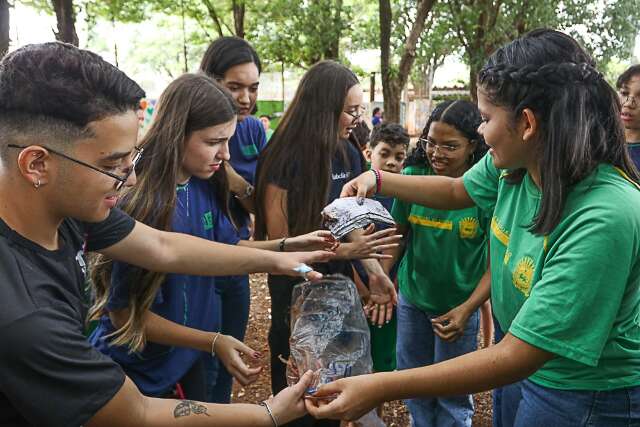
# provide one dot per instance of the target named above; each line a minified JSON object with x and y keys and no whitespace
{"x":419,"y":346}
{"x":506,"y":399}
{"x":545,"y":407}
{"x":234,"y":295}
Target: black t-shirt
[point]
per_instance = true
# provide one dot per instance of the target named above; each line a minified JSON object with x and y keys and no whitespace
{"x":50,"y":375}
{"x":346,"y":164}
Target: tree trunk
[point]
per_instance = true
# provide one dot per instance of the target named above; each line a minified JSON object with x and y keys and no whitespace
{"x":238,"y":17}
{"x":392,"y":87}
{"x":66,"y":17}
{"x":4,"y":27}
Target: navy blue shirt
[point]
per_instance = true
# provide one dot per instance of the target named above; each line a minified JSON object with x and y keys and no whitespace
{"x":183,"y":299}
{"x":634,"y":152}
{"x":245,"y":145}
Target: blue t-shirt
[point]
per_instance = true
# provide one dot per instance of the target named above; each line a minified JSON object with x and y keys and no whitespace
{"x":245,"y":145}
{"x":183,"y":299}
{"x":634,"y":152}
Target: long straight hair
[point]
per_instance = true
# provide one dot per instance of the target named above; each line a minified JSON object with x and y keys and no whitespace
{"x":301,"y":149}
{"x":190,"y":103}
{"x":577,"y":110}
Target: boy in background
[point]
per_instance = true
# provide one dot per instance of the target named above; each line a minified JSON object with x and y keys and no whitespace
{"x":386,"y":151}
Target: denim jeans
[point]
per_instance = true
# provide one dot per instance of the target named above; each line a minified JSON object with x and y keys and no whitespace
{"x":234,"y":295}
{"x":419,"y":346}
{"x":506,"y":399}
{"x":544,"y":407}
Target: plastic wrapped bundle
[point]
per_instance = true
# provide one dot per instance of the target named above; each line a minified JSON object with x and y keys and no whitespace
{"x":329,"y":335}
{"x":344,"y":215}
{"x":329,"y":332}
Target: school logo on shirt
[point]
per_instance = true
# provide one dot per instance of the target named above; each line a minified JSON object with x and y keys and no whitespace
{"x":207,"y":220}
{"x":523,"y":275}
{"x":249,"y":150}
{"x":341,"y":175}
{"x":468,"y":227}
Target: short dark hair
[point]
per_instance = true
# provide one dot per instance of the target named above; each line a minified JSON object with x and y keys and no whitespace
{"x":628,"y":74}
{"x":375,"y":111}
{"x":265,"y":115}
{"x":56,"y":89}
{"x":390,"y":133}
{"x":226,"y":52}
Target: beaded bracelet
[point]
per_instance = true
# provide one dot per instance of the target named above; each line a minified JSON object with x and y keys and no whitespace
{"x":378,"y":176}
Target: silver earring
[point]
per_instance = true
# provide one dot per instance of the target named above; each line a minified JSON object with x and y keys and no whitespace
{"x":37,"y":184}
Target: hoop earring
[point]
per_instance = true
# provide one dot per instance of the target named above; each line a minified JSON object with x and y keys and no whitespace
{"x":37,"y":184}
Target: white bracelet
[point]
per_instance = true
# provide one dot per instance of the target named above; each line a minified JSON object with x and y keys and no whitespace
{"x":268,"y":408}
{"x":213,"y":344}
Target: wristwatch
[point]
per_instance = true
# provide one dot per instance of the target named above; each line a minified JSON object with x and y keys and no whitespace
{"x":247,"y":192}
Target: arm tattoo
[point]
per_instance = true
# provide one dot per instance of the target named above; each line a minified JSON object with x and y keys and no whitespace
{"x":189,"y":407}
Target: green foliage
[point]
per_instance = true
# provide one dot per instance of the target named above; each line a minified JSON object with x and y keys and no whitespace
{"x":300,"y":32}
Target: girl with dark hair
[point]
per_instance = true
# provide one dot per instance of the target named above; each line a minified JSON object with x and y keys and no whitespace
{"x":564,"y":246}
{"x":628,"y":85}
{"x":234,"y":63}
{"x":303,"y":168}
{"x":443,"y":276}
{"x":157,"y":326}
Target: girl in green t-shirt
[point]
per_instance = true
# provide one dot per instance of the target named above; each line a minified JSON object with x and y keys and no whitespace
{"x":564,"y":198}
{"x":444,"y":262}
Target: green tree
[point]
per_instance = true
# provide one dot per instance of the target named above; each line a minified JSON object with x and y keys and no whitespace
{"x":394,"y":78}
{"x":484,"y":25}
{"x":298,"y":32}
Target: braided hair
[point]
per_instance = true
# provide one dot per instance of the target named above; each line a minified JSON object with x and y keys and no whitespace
{"x":577,"y":111}
{"x":465,"y":117}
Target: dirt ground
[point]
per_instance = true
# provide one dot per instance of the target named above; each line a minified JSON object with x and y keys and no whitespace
{"x":395,"y":413}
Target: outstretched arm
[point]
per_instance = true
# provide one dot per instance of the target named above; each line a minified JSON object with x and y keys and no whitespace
{"x":129,"y":408}
{"x":178,"y":253}
{"x":437,"y":192}
{"x":507,"y":362}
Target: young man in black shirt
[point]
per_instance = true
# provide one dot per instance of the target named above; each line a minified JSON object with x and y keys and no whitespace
{"x":68,"y":130}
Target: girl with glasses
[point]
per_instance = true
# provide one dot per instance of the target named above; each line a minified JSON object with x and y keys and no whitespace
{"x":628,"y":85}
{"x":157,"y":326}
{"x":442,"y":277}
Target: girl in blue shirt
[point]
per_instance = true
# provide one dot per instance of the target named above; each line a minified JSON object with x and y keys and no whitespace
{"x":157,"y":326}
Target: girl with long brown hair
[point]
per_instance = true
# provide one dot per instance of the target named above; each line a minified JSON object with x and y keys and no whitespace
{"x":158,"y":326}
{"x":303,"y":168}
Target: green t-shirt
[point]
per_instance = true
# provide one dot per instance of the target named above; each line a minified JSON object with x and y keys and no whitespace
{"x":446,"y":253}
{"x":575,"y":291}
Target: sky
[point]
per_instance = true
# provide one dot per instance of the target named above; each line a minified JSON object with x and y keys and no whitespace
{"x":29,"y":26}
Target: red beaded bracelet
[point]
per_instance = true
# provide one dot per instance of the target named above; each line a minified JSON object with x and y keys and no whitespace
{"x":378,"y":175}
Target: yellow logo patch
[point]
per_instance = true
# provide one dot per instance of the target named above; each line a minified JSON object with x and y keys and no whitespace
{"x":468,"y":227}
{"x":523,"y":275}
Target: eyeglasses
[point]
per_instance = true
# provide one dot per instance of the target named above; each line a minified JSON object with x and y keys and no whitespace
{"x":121,"y":179}
{"x":355,"y":114}
{"x":427,"y":145}
{"x":626,"y":98}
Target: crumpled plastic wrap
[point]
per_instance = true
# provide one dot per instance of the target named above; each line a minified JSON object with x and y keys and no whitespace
{"x":344,"y":215}
{"x":329,"y":335}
